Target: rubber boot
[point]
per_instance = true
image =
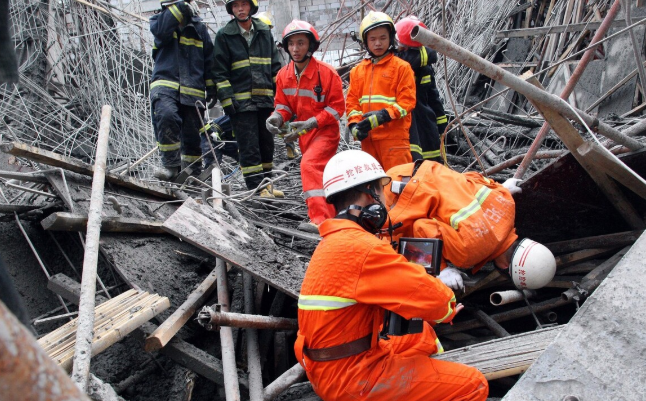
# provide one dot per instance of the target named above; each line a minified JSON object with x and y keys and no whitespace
{"x":166,"y":173}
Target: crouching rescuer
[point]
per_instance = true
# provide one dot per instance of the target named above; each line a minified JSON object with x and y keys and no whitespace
{"x":352,"y":280}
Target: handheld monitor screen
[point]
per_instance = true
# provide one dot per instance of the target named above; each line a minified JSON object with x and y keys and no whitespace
{"x":423,"y":251}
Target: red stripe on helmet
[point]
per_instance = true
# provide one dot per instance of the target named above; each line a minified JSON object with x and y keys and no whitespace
{"x":333,"y":180}
{"x":523,"y":257}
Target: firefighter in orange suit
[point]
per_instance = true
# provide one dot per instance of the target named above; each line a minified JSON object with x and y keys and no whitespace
{"x":472,"y":215}
{"x":309,"y":95}
{"x":381,"y":95}
{"x":352,"y":279}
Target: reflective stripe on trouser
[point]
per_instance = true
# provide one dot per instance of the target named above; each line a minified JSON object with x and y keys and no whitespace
{"x":435,"y":103}
{"x":423,"y":130}
{"x":176,"y":128}
{"x":255,"y":144}
{"x":388,"y":152}
{"x":317,"y":147}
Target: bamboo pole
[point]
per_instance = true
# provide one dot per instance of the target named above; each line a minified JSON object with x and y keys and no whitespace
{"x":167,"y":330}
{"x":253,"y":352}
{"x":245,"y":321}
{"x":231,"y":386}
{"x":26,"y":372}
{"x":537,"y":96}
{"x":84,"y":334}
{"x":569,"y":87}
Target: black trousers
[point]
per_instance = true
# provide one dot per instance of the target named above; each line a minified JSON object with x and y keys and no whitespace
{"x":255,"y":145}
{"x":176,"y":129}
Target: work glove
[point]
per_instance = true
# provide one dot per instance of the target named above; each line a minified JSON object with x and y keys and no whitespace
{"x":373,"y":119}
{"x":358,"y":134}
{"x":231,"y":107}
{"x":452,"y":278}
{"x":512,"y":185}
{"x":274,"y":123}
{"x":193,"y":9}
{"x":302,"y":127}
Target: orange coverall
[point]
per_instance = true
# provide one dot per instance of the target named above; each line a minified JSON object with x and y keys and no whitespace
{"x":473,"y":215}
{"x":387,"y":83}
{"x":352,"y":278}
{"x":297,"y":97}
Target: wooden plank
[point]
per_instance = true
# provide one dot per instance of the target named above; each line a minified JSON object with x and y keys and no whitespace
{"x":171,"y":326}
{"x":251,"y":251}
{"x":8,"y":208}
{"x":63,"y":221}
{"x":292,"y":233}
{"x":69,"y":289}
{"x":77,"y":166}
{"x":611,"y":165}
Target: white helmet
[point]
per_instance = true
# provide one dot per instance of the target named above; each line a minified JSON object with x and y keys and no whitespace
{"x":532,"y":265}
{"x":350,"y":168}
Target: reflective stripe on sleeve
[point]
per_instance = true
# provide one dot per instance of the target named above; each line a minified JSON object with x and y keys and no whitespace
{"x":262,"y":92}
{"x":242,"y":95}
{"x":333,"y":112}
{"x":377,"y":99}
{"x":355,"y":113}
{"x":431,"y":154}
{"x":442,"y":120}
{"x":283,"y":107}
{"x":185,"y":90}
{"x":190,"y":42}
{"x":426,"y":79}
{"x":424,"y":56}
{"x":268,"y":165}
{"x":240,"y":64}
{"x":471,"y":208}
{"x":452,"y":300}
{"x":323,"y":302}
{"x":223,"y":84}
{"x":205,"y":128}
{"x":440,"y":348}
{"x":313,"y":193}
{"x":209,"y":82}
{"x":165,"y":83}
{"x":260,"y":60}
{"x":176,"y":13}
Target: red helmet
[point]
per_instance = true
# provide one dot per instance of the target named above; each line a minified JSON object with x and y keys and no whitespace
{"x":298,"y":26}
{"x":404,"y":28}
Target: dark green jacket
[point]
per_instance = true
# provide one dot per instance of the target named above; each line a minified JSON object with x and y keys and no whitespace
{"x":247,"y":73}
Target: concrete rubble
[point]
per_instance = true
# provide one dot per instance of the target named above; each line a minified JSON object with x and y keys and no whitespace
{"x":227,"y":277}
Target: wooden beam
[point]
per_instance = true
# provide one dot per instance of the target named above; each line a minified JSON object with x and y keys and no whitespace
{"x":8,"y":208}
{"x":580,"y":256}
{"x":63,"y":221}
{"x":56,"y":160}
{"x":171,"y":326}
{"x":601,"y":241}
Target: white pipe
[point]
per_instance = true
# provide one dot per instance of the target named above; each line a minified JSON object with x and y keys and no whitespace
{"x":506,"y":297}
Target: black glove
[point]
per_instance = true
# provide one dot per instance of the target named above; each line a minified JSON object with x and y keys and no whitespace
{"x":376,"y":118}
{"x":357,"y":133}
{"x":231,"y":107}
{"x":211,"y":101}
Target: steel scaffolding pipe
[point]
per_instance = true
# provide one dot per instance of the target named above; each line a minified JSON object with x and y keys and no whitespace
{"x":211,"y":319}
{"x":534,"y":94}
{"x":26,"y":371}
{"x":506,"y":297}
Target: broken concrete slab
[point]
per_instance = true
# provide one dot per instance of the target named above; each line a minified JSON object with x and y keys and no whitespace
{"x":251,"y":250}
{"x":600,"y":355}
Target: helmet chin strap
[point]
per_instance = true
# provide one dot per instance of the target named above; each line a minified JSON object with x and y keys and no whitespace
{"x":244,"y":20}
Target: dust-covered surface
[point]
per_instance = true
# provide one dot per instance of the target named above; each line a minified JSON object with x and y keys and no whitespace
{"x":250,"y":249}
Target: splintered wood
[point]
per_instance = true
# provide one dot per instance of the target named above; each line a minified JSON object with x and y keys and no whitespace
{"x":250,"y":250}
{"x":113,"y":321}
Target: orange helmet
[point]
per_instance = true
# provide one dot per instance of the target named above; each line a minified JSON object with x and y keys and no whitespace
{"x":298,"y":26}
{"x":404,"y":28}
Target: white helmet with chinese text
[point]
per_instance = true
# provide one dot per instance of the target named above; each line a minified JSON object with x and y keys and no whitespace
{"x":532,"y":265}
{"x":349,"y":169}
